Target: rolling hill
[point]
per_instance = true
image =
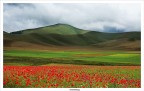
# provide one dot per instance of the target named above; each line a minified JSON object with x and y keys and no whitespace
{"x":67,"y":35}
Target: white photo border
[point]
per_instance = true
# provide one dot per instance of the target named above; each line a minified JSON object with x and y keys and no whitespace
{"x":70,"y":1}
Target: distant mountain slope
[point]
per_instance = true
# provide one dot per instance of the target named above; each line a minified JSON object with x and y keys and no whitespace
{"x":120,"y":44}
{"x":63,"y":29}
{"x":67,"y":35}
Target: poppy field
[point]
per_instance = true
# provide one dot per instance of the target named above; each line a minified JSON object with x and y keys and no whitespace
{"x":72,"y":76}
{"x":71,"y":69}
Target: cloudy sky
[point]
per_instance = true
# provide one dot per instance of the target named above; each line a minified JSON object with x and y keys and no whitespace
{"x":96,"y":17}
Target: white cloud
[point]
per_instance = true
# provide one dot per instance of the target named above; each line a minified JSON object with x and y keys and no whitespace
{"x":84,"y":16}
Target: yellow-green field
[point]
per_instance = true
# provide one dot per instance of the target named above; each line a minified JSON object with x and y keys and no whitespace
{"x":31,"y":57}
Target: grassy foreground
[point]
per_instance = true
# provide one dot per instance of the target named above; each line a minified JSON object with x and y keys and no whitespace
{"x":31,"y":57}
{"x":71,"y":69}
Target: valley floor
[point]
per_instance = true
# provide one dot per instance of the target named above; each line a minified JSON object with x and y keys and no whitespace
{"x":71,"y":67}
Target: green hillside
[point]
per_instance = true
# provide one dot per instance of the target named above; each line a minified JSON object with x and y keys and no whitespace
{"x":67,"y":35}
{"x":62,"y":29}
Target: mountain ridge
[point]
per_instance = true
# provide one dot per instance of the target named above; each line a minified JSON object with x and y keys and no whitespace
{"x":67,"y":35}
{"x":54,"y":29}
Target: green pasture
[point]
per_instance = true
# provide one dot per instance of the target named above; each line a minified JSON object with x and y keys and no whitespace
{"x":31,"y":57}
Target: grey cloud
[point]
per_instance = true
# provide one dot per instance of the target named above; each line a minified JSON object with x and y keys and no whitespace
{"x":85,"y":16}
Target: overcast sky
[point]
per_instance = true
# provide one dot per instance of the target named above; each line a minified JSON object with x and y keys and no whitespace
{"x":97,"y":17}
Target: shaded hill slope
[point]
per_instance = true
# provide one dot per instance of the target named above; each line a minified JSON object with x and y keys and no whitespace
{"x":67,"y":35}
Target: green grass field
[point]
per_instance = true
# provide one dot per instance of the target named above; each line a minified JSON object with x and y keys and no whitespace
{"x":31,"y":57}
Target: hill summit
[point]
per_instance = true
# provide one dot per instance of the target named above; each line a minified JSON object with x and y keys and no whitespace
{"x":63,"y":29}
{"x":67,"y":35}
